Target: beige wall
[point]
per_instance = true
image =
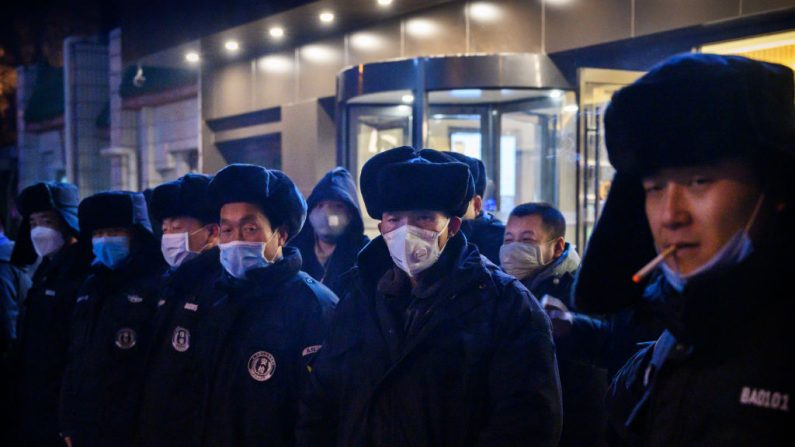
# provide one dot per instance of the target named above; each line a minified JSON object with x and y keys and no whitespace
{"x":294,"y":78}
{"x":495,"y":26}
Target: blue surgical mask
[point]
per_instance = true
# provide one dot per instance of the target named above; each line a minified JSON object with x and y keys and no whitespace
{"x":111,"y":251}
{"x":238,"y":257}
{"x":733,"y":252}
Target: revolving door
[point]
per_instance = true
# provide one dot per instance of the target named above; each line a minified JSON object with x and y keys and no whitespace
{"x":514,"y":112}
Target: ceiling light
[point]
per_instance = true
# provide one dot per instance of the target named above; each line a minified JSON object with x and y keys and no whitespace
{"x":408,"y":99}
{"x":326,"y":17}
{"x":192,"y":57}
{"x":232,"y":45}
{"x":484,"y":12}
{"x":421,"y":27}
{"x":466,"y":93}
{"x":276,"y":32}
{"x":571,"y":108}
{"x":384,"y":2}
{"x":555,"y":94}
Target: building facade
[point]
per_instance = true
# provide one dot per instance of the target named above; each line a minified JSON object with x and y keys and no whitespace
{"x":518,"y":83}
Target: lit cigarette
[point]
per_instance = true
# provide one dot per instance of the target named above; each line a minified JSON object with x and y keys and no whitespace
{"x":638,"y":277}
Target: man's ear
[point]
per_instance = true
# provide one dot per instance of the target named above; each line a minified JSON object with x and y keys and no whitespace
{"x":560,"y":245}
{"x":282,"y":235}
{"x":477,"y":204}
{"x":213,"y":231}
{"x":379,"y":227}
{"x":454,"y":226}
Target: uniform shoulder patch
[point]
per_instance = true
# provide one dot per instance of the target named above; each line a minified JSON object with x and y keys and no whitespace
{"x":125,"y":338}
{"x":180,"y":340}
{"x":261,"y":366}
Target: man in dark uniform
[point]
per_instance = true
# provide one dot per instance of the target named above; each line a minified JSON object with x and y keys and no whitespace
{"x":480,"y":227}
{"x":269,"y":318}
{"x":174,"y":385}
{"x":704,"y":148}
{"x":433,"y":345}
{"x":335,"y":234}
{"x":112,"y":322}
{"x":49,"y":231}
{"x":536,"y":252}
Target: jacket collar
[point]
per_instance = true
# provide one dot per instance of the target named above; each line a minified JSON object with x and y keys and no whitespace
{"x":568,"y":262}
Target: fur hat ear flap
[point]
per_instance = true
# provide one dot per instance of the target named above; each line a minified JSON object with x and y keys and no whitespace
{"x":620,"y":245}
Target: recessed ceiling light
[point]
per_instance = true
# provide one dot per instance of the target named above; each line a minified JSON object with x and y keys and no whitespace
{"x":384,"y":2}
{"x":326,"y":17}
{"x":276,"y":32}
{"x":232,"y":45}
{"x":192,"y":57}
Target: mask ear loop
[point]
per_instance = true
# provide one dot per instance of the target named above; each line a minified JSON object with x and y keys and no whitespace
{"x":275,"y":232}
{"x":187,"y":241}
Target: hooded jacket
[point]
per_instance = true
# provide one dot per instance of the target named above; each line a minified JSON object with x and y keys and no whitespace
{"x":258,"y":336}
{"x":583,"y":385}
{"x":46,"y":310}
{"x":337,"y":184}
{"x":476,"y":365}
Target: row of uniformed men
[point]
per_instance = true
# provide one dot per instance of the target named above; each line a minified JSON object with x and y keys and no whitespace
{"x":432,"y":344}
{"x":210,"y":347}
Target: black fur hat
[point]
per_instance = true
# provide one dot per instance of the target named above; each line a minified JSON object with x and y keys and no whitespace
{"x":691,"y":110}
{"x":476,"y":168}
{"x":403,"y":179}
{"x":114,"y":209}
{"x":269,"y":189}
{"x":185,"y":197}
{"x":63,"y":198}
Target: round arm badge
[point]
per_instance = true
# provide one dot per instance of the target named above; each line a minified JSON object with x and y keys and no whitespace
{"x":261,"y":366}
{"x":125,"y":338}
{"x":180,"y":340}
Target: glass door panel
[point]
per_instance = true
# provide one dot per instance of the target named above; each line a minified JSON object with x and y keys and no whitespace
{"x":374,"y":129}
{"x":596,"y":89}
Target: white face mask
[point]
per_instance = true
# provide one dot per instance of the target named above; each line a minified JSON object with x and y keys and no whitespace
{"x":46,"y":240}
{"x":176,"y":248}
{"x":328,"y":226}
{"x":521,"y":259}
{"x":238,"y":257}
{"x":413,"y":249}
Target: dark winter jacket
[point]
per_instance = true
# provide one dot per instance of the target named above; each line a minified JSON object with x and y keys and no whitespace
{"x":44,"y":326}
{"x":260,"y":334}
{"x":722,"y":373}
{"x":466,"y":358}
{"x":337,"y":184}
{"x":487,"y":233}
{"x":175,"y":381}
{"x":111,"y":328}
{"x":583,"y":386}
{"x":14,"y":284}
